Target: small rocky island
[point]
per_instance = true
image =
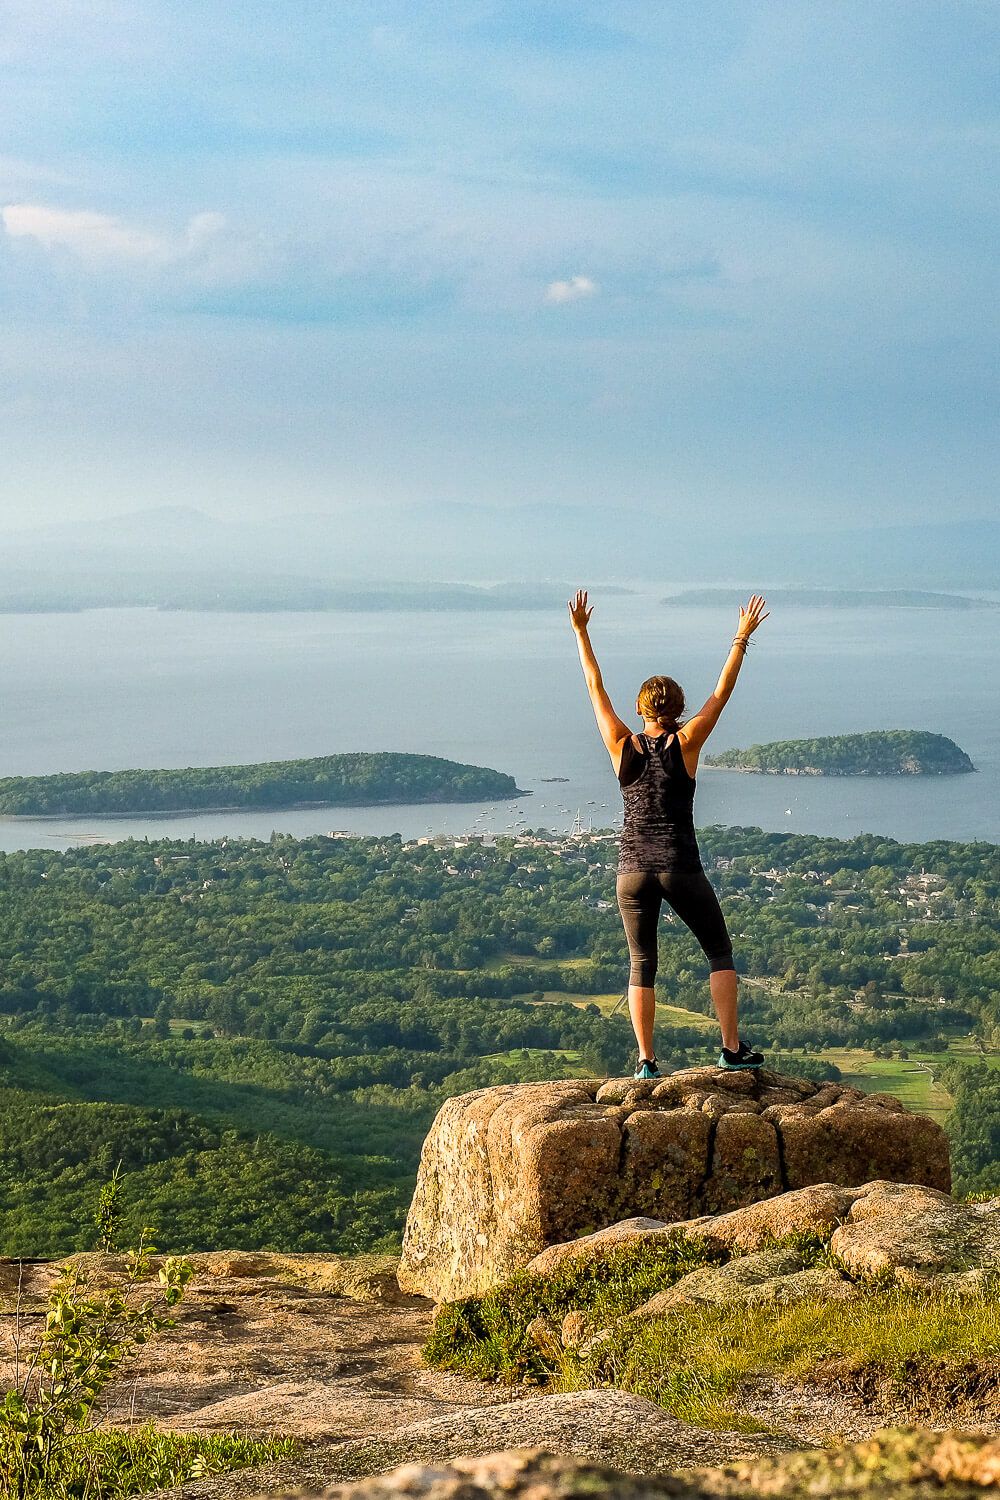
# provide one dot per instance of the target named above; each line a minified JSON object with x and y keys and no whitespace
{"x":357,"y":780}
{"x":881,"y":752}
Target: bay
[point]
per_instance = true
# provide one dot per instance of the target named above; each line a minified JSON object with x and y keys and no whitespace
{"x":109,"y":689}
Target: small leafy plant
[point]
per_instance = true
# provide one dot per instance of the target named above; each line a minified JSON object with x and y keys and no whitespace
{"x":99,"y":1314}
{"x":92,"y":1325}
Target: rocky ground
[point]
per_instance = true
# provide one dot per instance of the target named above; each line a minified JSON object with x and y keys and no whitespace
{"x":268,"y":1344}
{"x":893,"y":1466}
{"x":329,"y":1351}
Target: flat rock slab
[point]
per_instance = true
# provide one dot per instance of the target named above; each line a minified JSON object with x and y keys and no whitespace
{"x":263,"y":1354}
{"x":506,"y":1172}
{"x":817,"y":1210}
{"x":767,"y":1278}
{"x":308,"y":1409}
{"x":605,"y":1426}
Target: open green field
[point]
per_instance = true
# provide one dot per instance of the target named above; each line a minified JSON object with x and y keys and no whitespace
{"x":911,"y":1080}
{"x":574,"y":1067}
{"x":513,"y":960}
{"x":607,"y":1003}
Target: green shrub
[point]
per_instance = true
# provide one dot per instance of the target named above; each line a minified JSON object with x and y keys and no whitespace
{"x":487,"y":1336}
{"x":96,"y":1319}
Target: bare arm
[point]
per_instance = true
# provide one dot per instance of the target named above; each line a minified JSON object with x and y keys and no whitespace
{"x":613,"y":731}
{"x":698,"y":728}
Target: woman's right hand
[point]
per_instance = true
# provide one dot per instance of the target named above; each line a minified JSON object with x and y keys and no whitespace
{"x":751,"y":616}
{"x":578,"y":611}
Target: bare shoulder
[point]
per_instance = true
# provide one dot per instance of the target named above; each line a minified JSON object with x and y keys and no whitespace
{"x":690,"y":750}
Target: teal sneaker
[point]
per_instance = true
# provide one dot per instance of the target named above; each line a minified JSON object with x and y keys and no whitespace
{"x":647,"y":1069}
{"x":743,"y":1057}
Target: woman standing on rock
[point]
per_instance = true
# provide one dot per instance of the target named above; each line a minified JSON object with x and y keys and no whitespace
{"x":659,"y":857}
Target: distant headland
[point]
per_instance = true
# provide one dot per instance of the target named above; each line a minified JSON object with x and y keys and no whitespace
{"x":173,"y":592}
{"x":881,"y":752}
{"x":357,"y":780}
{"x":840,"y":598}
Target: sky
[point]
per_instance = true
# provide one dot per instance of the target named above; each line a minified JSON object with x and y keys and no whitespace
{"x":712,"y":265}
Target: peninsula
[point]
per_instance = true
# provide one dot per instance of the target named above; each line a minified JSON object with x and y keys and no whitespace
{"x":840,"y":598}
{"x":881,"y":752}
{"x":357,"y":780}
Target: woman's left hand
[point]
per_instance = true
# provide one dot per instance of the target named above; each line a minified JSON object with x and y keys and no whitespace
{"x":578,"y":611}
{"x":751,"y":616}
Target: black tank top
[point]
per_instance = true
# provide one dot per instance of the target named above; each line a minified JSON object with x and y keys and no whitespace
{"x":658,"y":831}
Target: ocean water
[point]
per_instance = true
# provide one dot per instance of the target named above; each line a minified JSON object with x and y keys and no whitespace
{"x":120,"y":688}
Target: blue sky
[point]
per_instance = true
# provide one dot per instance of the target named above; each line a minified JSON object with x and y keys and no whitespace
{"x":710,"y":263}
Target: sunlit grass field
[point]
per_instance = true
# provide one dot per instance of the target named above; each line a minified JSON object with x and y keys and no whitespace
{"x":912,"y":1080}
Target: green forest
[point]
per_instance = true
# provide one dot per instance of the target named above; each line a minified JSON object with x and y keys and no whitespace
{"x":358,"y":780}
{"x":882,"y":752}
{"x":261,"y":1031}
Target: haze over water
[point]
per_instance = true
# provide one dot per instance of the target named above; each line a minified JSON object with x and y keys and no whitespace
{"x":114,"y":689}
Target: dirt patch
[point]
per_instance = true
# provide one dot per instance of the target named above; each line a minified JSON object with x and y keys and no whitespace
{"x":243,"y":1345}
{"x":931,"y":1392}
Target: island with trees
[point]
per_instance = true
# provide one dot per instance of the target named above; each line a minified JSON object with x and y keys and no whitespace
{"x":357,"y":780}
{"x":880,"y":752}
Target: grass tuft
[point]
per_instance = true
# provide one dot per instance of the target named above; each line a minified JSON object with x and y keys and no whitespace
{"x":895,"y":1341}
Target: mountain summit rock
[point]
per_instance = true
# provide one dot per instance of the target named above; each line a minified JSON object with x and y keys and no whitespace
{"x":506,"y":1172}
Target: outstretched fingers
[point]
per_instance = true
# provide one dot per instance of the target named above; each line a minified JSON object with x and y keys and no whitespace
{"x":755,"y":610}
{"x":578,"y":608}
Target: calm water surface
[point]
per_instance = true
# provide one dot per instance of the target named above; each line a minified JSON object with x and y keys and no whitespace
{"x":112,"y":689}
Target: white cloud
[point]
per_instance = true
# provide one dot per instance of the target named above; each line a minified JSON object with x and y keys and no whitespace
{"x":571,"y":290}
{"x":99,"y":237}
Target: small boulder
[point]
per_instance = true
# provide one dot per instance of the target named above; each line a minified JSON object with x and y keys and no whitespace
{"x":919,"y":1237}
{"x":574,"y":1327}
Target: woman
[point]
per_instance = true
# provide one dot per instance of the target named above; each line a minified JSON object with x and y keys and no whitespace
{"x":659,"y":858}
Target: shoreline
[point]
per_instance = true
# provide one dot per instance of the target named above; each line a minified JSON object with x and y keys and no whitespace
{"x":867,"y":775}
{"x":243,"y":807}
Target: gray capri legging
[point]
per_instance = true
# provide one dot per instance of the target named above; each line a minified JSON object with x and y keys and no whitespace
{"x":640,"y":895}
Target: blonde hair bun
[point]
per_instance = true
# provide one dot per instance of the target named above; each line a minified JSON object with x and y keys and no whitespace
{"x":662,"y":699}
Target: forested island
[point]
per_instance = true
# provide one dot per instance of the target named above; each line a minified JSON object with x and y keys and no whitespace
{"x":358,"y":780}
{"x":880,"y":752}
{"x":260,"y":1031}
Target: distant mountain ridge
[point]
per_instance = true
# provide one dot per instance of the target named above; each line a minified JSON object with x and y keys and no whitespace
{"x":531,"y":542}
{"x":840,"y":598}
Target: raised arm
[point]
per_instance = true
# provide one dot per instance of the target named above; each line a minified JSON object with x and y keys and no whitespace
{"x":697,"y":729}
{"x":613,"y":731}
